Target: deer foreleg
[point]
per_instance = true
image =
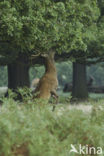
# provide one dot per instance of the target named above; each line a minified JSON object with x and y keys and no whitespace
{"x":54,"y":94}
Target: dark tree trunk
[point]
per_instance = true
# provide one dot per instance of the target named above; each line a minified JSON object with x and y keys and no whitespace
{"x":79,"y":89}
{"x":18,"y":75}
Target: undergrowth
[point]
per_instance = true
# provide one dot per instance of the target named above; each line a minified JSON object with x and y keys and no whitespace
{"x":29,"y":128}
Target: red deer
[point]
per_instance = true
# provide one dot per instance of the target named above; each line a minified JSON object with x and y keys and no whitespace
{"x":48,"y":83}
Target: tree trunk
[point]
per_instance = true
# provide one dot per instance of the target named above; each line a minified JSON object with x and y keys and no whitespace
{"x":79,"y":89}
{"x":18,"y":75}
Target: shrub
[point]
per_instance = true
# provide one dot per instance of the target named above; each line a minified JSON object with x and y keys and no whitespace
{"x":28,"y":129}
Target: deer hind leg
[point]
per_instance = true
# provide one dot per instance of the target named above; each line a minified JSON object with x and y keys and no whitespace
{"x":54,"y":95}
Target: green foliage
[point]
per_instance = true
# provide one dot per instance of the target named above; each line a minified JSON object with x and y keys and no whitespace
{"x":31,"y":26}
{"x":37,"y":130}
{"x":64,"y":70}
{"x":36,"y":72}
{"x":96,"y":46}
{"x":96,"y":71}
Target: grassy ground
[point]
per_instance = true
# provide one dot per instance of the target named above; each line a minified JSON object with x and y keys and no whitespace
{"x":91,"y":95}
{"x":30,"y":128}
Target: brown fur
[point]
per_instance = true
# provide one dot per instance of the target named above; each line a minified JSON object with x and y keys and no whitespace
{"x":48,"y":83}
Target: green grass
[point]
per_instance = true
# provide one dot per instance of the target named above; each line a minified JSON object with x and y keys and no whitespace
{"x":93,"y":98}
{"x":96,"y":96}
{"x":31,"y":128}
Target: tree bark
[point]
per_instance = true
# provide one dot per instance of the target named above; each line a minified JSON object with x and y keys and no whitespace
{"x":79,"y":89}
{"x":18,"y":75}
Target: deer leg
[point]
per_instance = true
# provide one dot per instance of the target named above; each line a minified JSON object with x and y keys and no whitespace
{"x":54,"y":94}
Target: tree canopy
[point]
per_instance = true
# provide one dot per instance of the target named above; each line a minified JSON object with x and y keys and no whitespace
{"x":29,"y":26}
{"x":96,"y":45}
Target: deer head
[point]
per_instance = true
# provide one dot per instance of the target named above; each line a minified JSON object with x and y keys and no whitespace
{"x":49,"y":55}
{"x":49,"y":61}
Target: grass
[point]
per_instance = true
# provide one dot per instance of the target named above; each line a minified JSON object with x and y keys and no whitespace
{"x":31,"y":129}
{"x":93,"y":98}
